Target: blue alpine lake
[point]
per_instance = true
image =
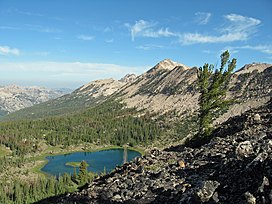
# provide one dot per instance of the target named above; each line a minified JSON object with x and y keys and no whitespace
{"x":98,"y":161}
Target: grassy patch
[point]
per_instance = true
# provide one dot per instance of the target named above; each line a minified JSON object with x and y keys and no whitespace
{"x":4,"y":151}
{"x":37,"y":168}
{"x":74,"y":164}
{"x":153,"y":167}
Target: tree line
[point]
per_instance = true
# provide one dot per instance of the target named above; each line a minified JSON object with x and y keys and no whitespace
{"x":108,"y":123}
{"x":24,"y":192}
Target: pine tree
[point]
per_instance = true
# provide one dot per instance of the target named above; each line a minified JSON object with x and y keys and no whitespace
{"x":213,"y":87}
{"x":83,"y":172}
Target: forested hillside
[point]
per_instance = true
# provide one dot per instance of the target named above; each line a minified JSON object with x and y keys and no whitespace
{"x":88,"y":118}
{"x":108,"y":123}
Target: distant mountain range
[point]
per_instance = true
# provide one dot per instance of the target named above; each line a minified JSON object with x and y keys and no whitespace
{"x":167,"y":88}
{"x":14,"y":97}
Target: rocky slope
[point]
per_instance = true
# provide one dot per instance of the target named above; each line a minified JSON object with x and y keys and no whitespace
{"x":13,"y":97}
{"x":166,"y":87}
{"x":170,"y":86}
{"x":235,"y":167}
{"x":103,"y":87}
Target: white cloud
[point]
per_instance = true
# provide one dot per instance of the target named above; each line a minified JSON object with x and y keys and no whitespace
{"x":238,"y":28}
{"x":31,"y":27}
{"x":207,"y":51}
{"x":73,"y":73}
{"x":9,"y":28}
{"x":85,"y":37}
{"x":30,"y":13}
{"x":203,"y":18}
{"x":144,"y":28}
{"x":109,"y":40}
{"x":42,"y":29}
{"x":49,"y":30}
{"x":243,"y":24}
{"x":163,"y":32}
{"x":6,"y":50}
{"x":149,"y":47}
{"x":262,"y":48}
{"x":267,"y":49}
{"x":193,"y":38}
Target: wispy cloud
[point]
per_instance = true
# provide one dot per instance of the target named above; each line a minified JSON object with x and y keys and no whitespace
{"x":144,"y":28}
{"x":73,"y":73}
{"x":109,"y":40}
{"x":6,"y":50}
{"x":9,"y":28}
{"x":267,"y":49}
{"x":240,"y":23}
{"x":31,"y":27}
{"x":262,"y":48}
{"x":57,"y":38}
{"x":42,"y":29}
{"x":202,"y":18}
{"x":193,"y":38}
{"x":25,"y":13}
{"x":238,"y":28}
{"x":149,"y":47}
{"x":33,"y":14}
{"x":85,"y":37}
{"x":29,"y":13}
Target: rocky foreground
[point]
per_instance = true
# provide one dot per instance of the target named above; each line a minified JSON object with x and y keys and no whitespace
{"x":235,"y":167}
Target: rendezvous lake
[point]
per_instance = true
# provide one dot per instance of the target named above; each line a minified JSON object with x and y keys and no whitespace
{"x":98,"y":161}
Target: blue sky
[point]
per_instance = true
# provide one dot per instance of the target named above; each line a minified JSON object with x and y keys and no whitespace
{"x":67,"y":43}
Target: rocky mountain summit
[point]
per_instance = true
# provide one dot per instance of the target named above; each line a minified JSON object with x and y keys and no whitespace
{"x":172,"y":87}
{"x":234,"y":167}
{"x":13,"y":97}
{"x":167,"y":64}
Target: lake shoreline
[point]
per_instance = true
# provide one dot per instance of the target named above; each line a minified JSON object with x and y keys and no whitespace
{"x":42,"y":158}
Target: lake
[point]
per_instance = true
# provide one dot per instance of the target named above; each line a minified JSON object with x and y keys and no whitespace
{"x":97,"y":161}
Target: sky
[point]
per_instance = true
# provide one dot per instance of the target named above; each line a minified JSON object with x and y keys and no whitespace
{"x":68,"y":43}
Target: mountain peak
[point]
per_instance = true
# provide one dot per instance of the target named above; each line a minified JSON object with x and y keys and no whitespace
{"x":167,"y":64}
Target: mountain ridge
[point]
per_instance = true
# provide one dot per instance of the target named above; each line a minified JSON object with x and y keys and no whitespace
{"x":166,"y":87}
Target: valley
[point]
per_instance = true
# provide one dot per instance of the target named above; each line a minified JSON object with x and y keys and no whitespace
{"x":157,"y":109}
{"x":135,"y":102}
